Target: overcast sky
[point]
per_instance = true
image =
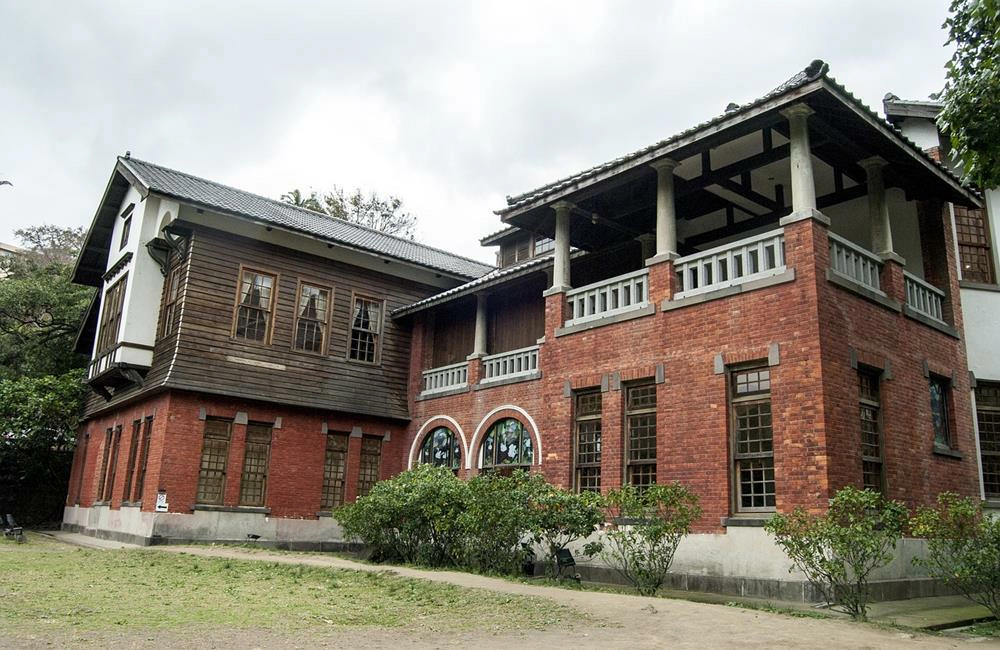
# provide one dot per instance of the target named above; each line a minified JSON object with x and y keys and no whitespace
{"x":449,"y":105}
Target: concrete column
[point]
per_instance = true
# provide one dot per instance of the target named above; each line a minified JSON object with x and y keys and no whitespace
{"x":480,"y":344}
{"x":560,"y":266}
{"x":666,"y":212}
{"x":803,"y":185}
{"x":648,"y":243}
{"x":878,"y":209}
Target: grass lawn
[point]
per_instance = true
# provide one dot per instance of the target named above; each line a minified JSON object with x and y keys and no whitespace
{"x":47,"y":586}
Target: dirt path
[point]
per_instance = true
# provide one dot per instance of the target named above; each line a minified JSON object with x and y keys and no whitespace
{"x":620,"y":620}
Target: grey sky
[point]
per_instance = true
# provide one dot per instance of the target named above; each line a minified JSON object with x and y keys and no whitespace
{"x":449,"y":105}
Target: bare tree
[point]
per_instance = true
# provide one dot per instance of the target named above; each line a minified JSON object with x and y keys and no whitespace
{"x":384,"y":214}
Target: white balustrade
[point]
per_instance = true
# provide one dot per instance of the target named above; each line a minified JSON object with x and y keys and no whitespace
{"x":732,"y":264}
{"x":855,"y":263}
{"x":609,"y":297}
{"x":508,"y":365}
{"x":445,"y":378}
{"x":924,"y":298}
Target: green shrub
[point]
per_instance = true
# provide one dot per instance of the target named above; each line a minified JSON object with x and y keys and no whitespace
{"x":498,"y":521}
{"x":839,"y":550}
{"x":561,"y":518}
{"x":963,"y":548}
{"x":647,"y":527}
{"x":413,"y":517}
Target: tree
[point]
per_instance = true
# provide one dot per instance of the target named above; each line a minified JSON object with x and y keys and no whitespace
{"x":972,"y":91}
{"x":371,"y":210}
{"x":50,"y":244}
{"x":838,"y":551}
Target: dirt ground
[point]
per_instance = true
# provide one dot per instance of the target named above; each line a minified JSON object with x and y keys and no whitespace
{"x":619,"y":621}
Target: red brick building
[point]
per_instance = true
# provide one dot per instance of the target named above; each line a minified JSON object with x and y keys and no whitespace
{"x":764,"y":307}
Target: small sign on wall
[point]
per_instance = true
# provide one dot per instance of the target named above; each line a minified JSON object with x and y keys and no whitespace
{"x":161,"y":501}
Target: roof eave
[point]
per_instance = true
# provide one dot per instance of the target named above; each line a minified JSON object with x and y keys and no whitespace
{"x":104,"y":207}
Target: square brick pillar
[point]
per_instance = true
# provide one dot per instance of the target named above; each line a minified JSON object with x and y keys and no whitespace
{"x":663,"y":282}
{"x":891,"y":279}
{"x":556,"y":312}
{"x":475,"y":362}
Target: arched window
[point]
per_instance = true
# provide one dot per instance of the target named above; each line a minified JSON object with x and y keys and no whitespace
{"x":441,"y":448}
{"x":508,"y":444}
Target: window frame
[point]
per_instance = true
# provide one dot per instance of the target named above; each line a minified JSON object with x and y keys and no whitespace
{"x":140,"y":481}
{"x":102,"y":476}
{"x":334,"y":490}
{"x":736,"y":400}
{"x":168,"y":314}
{"x":133,"y":450}
{"x":454,"y":449}
{"x":985,"y":248}
{"x":223,"y":472}
{"x":582,"y":419}
{"x":126,"y":217}
{"x":270,"y":311}
{"x":525,"y":434}
{"x":106,"y":339}
{"x":874,"y":374}
{"x":991,"y":410}
{"x":368,"y":475}
{"x":109,"y":484}
{"x":379,"y":333}
{"x":260,"y":475}
{"x":946,"y":405}
{"x":629,"y":413}
{"x":325,"y":328}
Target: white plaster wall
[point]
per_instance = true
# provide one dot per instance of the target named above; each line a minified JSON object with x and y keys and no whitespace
{"x":923,"y":132}
{"x":981,"y":310}
{"x":905,"y":230}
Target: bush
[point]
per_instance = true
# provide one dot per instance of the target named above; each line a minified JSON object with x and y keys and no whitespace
{"x":648,"y":526}
{"x":561,"y":518}
{"x":963,"y":548}
{"x":499,"y":520}
{"x":413,"y":517}
{"x":839,"y":550}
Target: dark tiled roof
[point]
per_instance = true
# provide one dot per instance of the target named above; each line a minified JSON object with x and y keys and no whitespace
{"x":815,"y":70}
{"x":496,"y":276}
{"x":188,"y":188}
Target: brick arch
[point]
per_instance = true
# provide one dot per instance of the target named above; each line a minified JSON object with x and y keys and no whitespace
{"x":501,"y":413}
{"x":431,"y":424}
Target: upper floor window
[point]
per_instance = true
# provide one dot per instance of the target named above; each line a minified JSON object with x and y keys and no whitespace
{"x":940,"y":389}
{"x":254,"y":306}
{"x":312,"y":317}
{"x":753,"y":439}
{"x":508,"y":444}
{"x":441,"y":448}
{"x":366,"y":325}
{"x":515,"y":251}
{"x":988,"y":417}
{"x":974,"y":245}
{"x":126,"y":225}
{"x":170,"y":296}
{"x":544,"y":245}
{"x":111,"y":315}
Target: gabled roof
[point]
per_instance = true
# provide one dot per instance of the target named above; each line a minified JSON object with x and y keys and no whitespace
{"x":163,"y":181}
{"x":895,"y":108}
{"x":813,"y":77}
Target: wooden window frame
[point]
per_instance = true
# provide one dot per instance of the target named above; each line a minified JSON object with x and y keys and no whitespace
{"x":111,"y":320}
{"x":225,"y":462}
{"x":269,"y":330}
{"x":736,"y":401}
{"x":985,"y":248}
{"x":367,"y":476}
{"x":258,"y":474}
{"x":102,"y":475}
{"x":171,"y":297}
{"x":582,"y":419}
{"x":867,"y":403}
{"x":334,"y":484}
{"x":948,"y":419}
{"x":454,"y":450}
{"x":379,"y":334}
{"x":326,"y":324}
{"x":988,"y":416}
{"x":82,"y":467}
{"x":133,"y":449}
{"x":126,"y":217}
{"x":525,"y":434}
{"x":629,"y":465}
{"x":109,"y":484}
{"x":140,"y":481}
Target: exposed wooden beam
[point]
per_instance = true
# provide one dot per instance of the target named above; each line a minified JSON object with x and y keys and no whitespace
{"x":734,"y":169}
{"x":748,"y":194}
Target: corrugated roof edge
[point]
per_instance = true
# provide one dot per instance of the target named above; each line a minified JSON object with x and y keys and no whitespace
{"x":814,"y":71}
{"x":486,"y":267}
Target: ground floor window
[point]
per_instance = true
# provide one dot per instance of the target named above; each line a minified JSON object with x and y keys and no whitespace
{"x":334,"y":468}
{"x":214,"y":457}
{"x":371,"y":460}
{"x":507,"y":445}
{"x":140,"y":481}
{"x":441,"y":448}
{"x":988,"y":418}
{"x":940,"y":392}
{"x":256,"y":457}
{"x":115,"y":438}
{"x":640,"y":441}
{"x":133,"y":449}
{"x":870,"y":411}
{"x":588,"y":442}
{"x":752,"y":439}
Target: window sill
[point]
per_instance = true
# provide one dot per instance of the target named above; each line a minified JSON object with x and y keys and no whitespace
{"x":325,"y":514}
{"x":981,"y":286}
{"x":130,"y":504}
{"x":101,"y":503}
{"x":243,"y":509}
{"x":992,"y":503}
{"x":755,"y":521}
{"x":940,"y":450}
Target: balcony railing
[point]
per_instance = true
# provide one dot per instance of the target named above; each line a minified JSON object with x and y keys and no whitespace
{"x":510,"y":365}
{"x":924,"y":298}
{"x":437,"y":380}
{"x":617,"y":295}
{"x":724,"y":266}
{"x":133,"y":355}
{"x":855,"y":263}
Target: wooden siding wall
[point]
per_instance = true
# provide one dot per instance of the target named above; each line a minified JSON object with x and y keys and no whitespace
{"x":209,"y":359}
{"x":454,"y":332}
{"x":517,"y":316}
